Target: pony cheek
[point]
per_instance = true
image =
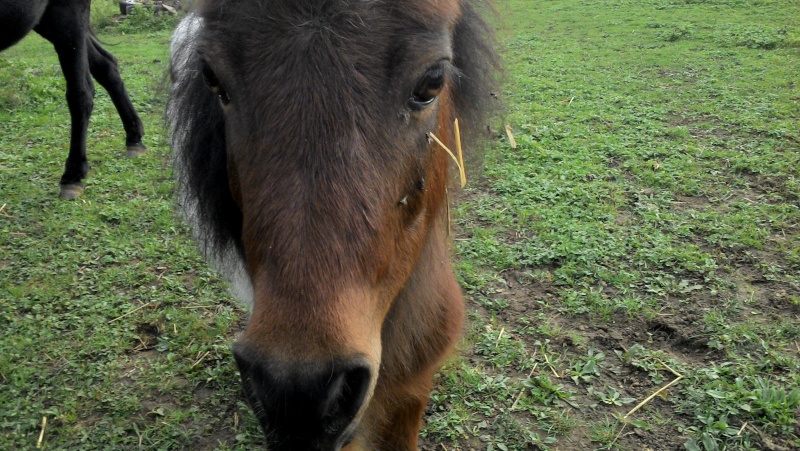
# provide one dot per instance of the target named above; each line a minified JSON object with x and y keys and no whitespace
{"x":396,"y":268}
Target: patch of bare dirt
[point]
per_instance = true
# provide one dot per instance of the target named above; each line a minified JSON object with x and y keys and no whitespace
{"x":702,"y":126}
{"x":678,"y":335}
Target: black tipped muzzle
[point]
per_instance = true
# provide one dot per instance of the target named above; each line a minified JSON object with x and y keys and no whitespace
{"x":304,"y":406}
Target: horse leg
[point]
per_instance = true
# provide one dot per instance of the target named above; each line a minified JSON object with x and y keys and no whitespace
{"x":64,"y":24}
{"x":80,"y":101}
{"x":104,"y":69}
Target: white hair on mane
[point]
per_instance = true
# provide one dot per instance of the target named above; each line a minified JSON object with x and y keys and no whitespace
{"x":227,"y":262}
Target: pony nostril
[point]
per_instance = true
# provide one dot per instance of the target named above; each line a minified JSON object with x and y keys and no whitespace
{"x":346,"y":394}
{"x":303,"y":406}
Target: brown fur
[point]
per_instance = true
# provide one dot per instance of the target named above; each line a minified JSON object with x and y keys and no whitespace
{"x":335,"y":198}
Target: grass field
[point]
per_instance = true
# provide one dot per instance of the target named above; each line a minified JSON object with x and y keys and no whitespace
{"x":644,"y":231}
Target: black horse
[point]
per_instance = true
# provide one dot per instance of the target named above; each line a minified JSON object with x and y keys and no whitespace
{"x":65,"y":23}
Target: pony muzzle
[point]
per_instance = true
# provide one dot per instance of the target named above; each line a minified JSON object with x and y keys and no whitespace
{"x":308,"y":405}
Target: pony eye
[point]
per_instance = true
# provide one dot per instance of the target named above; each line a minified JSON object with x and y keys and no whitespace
{"x":428,"y":89}
{"x":211,"y":80}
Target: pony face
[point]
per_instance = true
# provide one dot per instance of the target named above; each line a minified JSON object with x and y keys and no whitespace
{"x":303,"y":130}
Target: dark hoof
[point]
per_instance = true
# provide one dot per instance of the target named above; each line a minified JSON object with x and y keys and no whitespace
{"x":135,"y":150}
{"x":71,"y":191}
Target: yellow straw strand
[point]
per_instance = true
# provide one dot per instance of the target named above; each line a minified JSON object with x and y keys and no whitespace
{"x":511,"y":137}
{"x":461,"y":169}
{"x":450,"y":152}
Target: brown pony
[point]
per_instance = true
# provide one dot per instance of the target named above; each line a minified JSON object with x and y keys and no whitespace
{"x":301,"y":129}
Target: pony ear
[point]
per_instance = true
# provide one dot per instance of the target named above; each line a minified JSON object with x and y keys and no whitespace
{"x":197,"y":125}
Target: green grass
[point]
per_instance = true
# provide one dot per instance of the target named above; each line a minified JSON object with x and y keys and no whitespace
{"x":649,"y":214}
{"x":113,"y":328}
{"x":646,"y":225}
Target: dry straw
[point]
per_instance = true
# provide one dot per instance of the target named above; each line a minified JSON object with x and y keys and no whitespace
{"x":511,"y":139}
{"x":41,"y":434}
{"x":516,"y":400}
{"x":461,"y":171}
{"x":659,"y":391}
{"x":459,"y":160}
{"x":3,"y":213}
{"x":200,"y":359}
{"x":499,"y":336}
{"x":547,"y":360}
{"x":132,"y":311}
